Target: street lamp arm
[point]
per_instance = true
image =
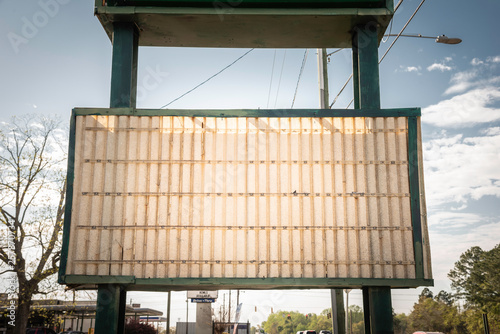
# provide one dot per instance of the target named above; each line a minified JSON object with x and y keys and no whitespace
{"x":443,"y":39}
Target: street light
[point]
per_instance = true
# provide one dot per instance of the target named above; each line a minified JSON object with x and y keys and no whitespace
{"x":443,"y":39}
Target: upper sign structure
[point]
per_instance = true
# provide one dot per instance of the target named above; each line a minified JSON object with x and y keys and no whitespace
{"x":246,"y":23}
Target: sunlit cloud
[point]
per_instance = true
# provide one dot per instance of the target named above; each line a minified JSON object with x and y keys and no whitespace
{"x":476,"y":61}
{"x":442,"y":66}
{"x":439,"y":67}
{"x":459,"y":169}
{"x":468,"y":109}
{"x":446,"y":246}
{"x":409,"y":69}
{"x":483,"y":73}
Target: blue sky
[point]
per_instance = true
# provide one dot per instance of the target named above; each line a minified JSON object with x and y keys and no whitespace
{"x":64,"y":62}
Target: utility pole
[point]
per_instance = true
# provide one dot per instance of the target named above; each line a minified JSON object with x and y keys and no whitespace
{"x":187,"y":315}
{"x":168,"y":311}
{"x":323,"y":79}
{"x":229,"y":312}
{"x":347,"y":309}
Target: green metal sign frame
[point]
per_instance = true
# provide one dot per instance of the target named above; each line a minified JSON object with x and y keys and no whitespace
{"x":253,"y":3}
{"x":246,"y":23}
{"x":169,"y":284}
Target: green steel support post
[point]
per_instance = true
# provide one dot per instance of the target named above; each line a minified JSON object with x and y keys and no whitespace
{"x":355,"y":72}
{"x":121,"y":310}
{"x":381,"y":310}
{"x":107,"y":311}
{"x":376,"y":300}
{"x":365,"y":41}
{"x":366,"y":310}
{"x":124,"y":65}
{"x":111,"y":300}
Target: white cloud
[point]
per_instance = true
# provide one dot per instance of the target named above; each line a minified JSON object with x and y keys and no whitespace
{"x":440,"y":67}
{"x":495,"y":59}
{"x":446,"y":248}
{"x":412,"y":69}
{"x":409,"y":69}
{"x":491,"y":131}
{"x":453,"y":220}
{"x":458,"y":169}
{"x":483,"y":73}
{"x":465,"y":110}
{"x":476,"y":61}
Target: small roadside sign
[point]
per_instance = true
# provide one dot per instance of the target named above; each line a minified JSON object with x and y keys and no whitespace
{"x":202,"y":300}
{"x":202,"y":294}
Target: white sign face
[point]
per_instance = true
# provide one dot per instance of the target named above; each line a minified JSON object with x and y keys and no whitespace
{"x":242,"y":197}
{"x":202,"y":294}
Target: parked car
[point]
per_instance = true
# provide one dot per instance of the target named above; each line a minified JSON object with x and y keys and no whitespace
{"x":40,"y":330}
{"x":324,"y":332}
{"x":299,"y":332}
{"x":309,"y":332}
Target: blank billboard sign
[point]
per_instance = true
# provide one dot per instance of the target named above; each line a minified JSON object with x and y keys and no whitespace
{"x":159,"y":197}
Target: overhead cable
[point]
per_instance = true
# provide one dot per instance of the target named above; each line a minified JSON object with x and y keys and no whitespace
{"x":204,"y":82}
{"x":350,"y":77}
{"x":279,"y":82}
{"x":271,"y":82}
{"x":300,"y":75}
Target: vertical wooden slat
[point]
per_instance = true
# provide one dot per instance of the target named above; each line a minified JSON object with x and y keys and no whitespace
{"x":152,"y":201}
{"x":196,"y":187}
{"x":371,"y":188}
{"x":96,"y":216}
{"x":81,"y":204}
{"x":174,"y":180}
{"x":163,"y":200}
{"x":350,"y":206}
{"x":399,"y":236}
{"x":392,"y":180}
{"x":383,"y":212}
{"x":142,"y":182}
{"x":106,"y":185}
{"x":121,"y":174}
{"x":185,"y":212}
{"x":361,"y":199}
{"x":340,"y":188}
{"x":116,"y":178}
{"x":330,"y":199}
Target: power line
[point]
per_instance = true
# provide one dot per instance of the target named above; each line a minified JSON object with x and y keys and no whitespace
{"x":402,"y":30}
{"x":279,"y":82}
{"x":204,"y":82}
{"x":300,"y":75}
{"x":271,"y":83}
{"x":350,"y":77}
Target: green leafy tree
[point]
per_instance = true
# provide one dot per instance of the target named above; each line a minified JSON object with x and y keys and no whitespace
{"x":475,"y":279}
{"x":32,"y":200}
{"x":400,"y":323}
{"x":355,"y":319}
{"x":435,"y":315}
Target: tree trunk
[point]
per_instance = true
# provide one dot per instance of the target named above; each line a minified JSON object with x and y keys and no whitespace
{"x":23,"y":313}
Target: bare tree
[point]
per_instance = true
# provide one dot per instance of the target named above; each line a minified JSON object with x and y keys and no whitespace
{"x":32,"y":200}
